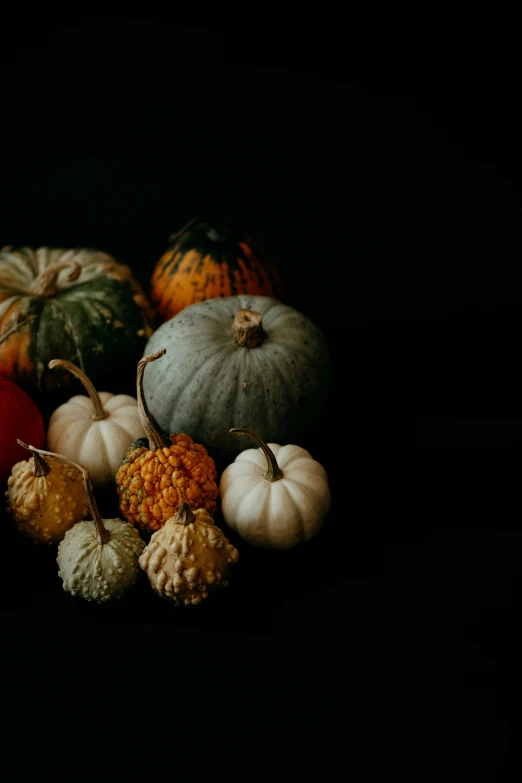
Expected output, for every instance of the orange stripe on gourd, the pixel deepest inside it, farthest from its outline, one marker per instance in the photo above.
(15, 349)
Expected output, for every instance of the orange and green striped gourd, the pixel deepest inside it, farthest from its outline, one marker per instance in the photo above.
(206, 262)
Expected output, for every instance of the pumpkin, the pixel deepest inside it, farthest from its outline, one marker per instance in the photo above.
(19, 417)
(205, 262)
(44, 497)
(274, 496)
(189, 558)
(80, 305)
(239, 360)
(155, 471)
(98, 558)
(94, 430)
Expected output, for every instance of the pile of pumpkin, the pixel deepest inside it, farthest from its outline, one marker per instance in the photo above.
(215, 354)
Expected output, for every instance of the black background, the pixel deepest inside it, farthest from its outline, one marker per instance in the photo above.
(379, 159)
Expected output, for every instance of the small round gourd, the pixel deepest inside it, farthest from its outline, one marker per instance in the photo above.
(94, 430)
(274, 496)
(189, 558)
(98, 558)
(44, 497)
(240, 359)
(158, 471)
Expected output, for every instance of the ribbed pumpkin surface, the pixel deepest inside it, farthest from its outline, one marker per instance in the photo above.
(208, 383)
(100, 320)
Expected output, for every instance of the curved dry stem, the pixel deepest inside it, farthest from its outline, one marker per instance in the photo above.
(99, 412)
(16, 327)
(45, 284)
(40, 466)
(154, 436)
(274, 472)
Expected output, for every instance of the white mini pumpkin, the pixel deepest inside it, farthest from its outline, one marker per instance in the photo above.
(95, 430)
(278, 506)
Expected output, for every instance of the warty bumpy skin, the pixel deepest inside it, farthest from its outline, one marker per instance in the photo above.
(185, 563)
(45, 507)
(95, 571)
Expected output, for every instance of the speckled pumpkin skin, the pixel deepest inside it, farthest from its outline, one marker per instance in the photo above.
(207, 383)
(185, 563)
(100, 572)
(203, 263)
(45, 507)
(100, 321)
(147, 481)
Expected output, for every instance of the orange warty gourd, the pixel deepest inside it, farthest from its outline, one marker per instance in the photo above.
(154, 467)
(205, 263)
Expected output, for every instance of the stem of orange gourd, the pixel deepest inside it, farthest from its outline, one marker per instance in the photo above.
(102, 534)
(99, 412)
(40, 466)
(45, 284)
(154, 436)
(274, 472)
(247, 328)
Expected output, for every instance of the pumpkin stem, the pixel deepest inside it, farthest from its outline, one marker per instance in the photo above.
(45, 284)
(16, 327)
(173, 237)
(247, 328)
(99, 412)
(274, 472)
(154, 436)
(40, 466)
(102, 534)
(184, 514)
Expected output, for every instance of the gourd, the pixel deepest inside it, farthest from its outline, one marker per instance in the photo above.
(77, 304)
(44, 497)
(98, 559)
(189, 558)
(205, 262)
(19, 417)
(156, 469)
(239, 359)
(94, 430)
(274, 496)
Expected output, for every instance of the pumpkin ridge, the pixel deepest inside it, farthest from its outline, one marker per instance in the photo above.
(293, 501)
(187, 390)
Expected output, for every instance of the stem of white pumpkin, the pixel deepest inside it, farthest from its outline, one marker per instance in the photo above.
(155, 438)
(45, 284)
(247, 328)
(99, 412)
(274, 472)
(40, 466)
(102, 534)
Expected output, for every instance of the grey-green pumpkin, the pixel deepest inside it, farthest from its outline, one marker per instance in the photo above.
(239, 361)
